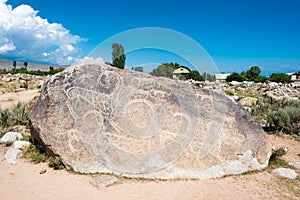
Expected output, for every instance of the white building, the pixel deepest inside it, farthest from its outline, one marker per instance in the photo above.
(221, 77)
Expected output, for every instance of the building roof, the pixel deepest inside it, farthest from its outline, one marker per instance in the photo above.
(182, 70)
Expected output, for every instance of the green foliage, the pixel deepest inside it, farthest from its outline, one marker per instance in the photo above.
(14, 64)
(234, 77)
(3, 71)
(56, 163)
(35, 154)
(285, 120)
(280, 77)
(16, 116)
(25, 65)
(195, 75)
(51, 71)
(8, 144)
(20, 113)
(276, 160)
(118, 56)
(253, 73)
(280, 116)
(165, 70)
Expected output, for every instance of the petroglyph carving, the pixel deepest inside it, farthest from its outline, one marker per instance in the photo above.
(103, 119)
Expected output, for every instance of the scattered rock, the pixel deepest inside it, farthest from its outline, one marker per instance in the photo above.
(43, 171)
(12, 155)
(295, 164)
(234, 83)
(103, 182)
(21, 144)
(293, 99)
(236, 98)
(11, 137)
(273, 84)
(286, 173)
(99, 118)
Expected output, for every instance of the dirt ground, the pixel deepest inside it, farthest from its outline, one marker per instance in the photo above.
(24, 181)
(8, 100)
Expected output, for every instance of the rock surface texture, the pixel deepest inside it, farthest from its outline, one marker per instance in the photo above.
(102, 119)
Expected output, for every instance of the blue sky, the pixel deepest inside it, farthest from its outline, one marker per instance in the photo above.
(235, 33)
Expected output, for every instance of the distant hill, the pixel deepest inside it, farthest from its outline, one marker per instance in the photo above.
(7, 64)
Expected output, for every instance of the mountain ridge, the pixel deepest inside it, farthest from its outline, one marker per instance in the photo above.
(8, 65)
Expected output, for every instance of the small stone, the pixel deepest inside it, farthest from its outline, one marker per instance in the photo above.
(43, 171)
(104, 182)
(11, 137)
(286, 173)
(12, 155)
(21, 144)
(295, 164)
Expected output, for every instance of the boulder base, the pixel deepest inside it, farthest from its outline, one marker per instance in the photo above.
(102, 119)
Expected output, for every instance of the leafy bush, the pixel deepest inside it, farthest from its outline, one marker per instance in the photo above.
(276, 160)
(280, 78)
(280, 116)
(195, 75)
(35, 154)
(16, 116)
(235, 77)
(165, 70)
(285, 120)
(56, 163)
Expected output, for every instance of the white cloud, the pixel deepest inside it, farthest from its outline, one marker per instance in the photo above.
(45, 54)
(70, 58)
(4, 48)
(25, 35)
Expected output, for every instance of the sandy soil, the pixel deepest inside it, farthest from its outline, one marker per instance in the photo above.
(23, 181)
(8, 100)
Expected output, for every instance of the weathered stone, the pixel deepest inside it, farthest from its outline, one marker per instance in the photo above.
(103, 182)
(104, 119)
(286, 173)
(295, 164)
(21, 144)
(12, 155)
(11, 137)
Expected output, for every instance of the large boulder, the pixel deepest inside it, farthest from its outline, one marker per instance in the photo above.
(103, 119)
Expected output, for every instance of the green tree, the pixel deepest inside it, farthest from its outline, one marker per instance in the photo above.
(280, 77)
(51, 70)
(253, 73)
(25, 66)
(165, 70)
(195, 75)
(14, 66)
(234, 77)
(118, 56)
